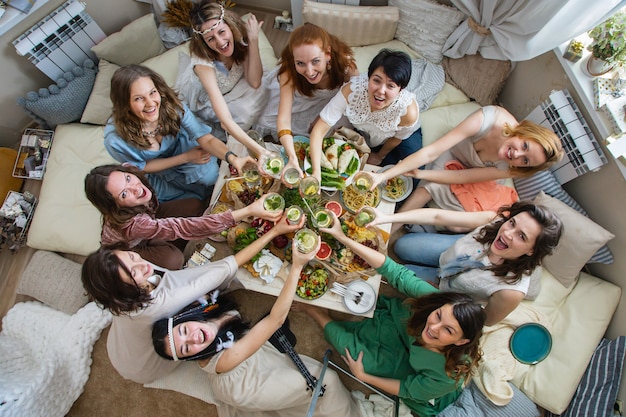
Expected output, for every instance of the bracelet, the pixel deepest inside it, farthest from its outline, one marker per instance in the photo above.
(284, 132)
(229, 153)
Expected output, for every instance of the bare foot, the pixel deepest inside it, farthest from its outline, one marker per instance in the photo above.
(320, 315)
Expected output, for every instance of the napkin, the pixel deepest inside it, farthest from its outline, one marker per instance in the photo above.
(267, 266)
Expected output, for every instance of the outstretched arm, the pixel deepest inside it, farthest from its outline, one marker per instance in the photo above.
(459, 176)
(264, 329)
(436, 217)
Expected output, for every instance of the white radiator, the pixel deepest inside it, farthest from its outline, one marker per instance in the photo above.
(61, 40)
(582, 151)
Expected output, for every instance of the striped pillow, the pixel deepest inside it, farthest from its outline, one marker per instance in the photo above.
(597, 391)
(355, 25)
(528, 188)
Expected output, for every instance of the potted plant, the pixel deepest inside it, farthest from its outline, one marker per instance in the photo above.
(608, 46)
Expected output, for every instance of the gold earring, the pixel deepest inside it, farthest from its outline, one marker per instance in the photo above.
(328, 66)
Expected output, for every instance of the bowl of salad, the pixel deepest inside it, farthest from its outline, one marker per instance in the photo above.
(313, 281)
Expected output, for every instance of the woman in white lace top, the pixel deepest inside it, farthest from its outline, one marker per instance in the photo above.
(379, 107)
(220, 81)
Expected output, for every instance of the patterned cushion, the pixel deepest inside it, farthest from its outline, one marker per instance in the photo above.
(528, 188)
(64, 101)
(425, 25)
(598, 387)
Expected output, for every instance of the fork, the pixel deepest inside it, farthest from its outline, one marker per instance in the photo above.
(358, 295)
(343, 293)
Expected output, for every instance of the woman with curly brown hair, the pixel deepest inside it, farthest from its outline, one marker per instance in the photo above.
(313, 66)
(154, 131)
(420, 349)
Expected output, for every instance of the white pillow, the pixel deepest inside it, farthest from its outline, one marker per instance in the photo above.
(438, 121)
(65, 221)
(136, 42)
(581, 238)
(363, 55)
(356, 26)
(425, 25)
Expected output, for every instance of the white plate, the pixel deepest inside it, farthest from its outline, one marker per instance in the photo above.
(307, 163)
(368, 300)
(408, 189)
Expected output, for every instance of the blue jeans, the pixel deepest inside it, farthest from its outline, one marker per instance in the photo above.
(405, 148)
(424, 248)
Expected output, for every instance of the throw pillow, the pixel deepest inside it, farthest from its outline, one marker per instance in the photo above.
(64, 101)
(598, 387)
(467, 74)
(55, 281)
(528, 188)
(99, 106)
(425, 25)
(580, 240)
(136, 42)
(356, 26)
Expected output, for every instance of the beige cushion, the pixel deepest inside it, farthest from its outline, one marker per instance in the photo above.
(465, 73)
(55, 281)
(581, 238)
(99, 106)
(65, 221)
(356, 26)
(363, 55)
(438, 121)
(136, 42)
(425, 25)
(449, 95)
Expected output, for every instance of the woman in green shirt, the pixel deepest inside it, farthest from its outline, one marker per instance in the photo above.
(420, 349)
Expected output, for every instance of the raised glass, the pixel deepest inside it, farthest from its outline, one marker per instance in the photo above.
(364, 216)
(306, 240)
(274, 202)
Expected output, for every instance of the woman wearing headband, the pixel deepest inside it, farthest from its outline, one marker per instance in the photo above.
(221, 84)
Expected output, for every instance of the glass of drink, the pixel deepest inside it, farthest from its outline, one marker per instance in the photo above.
(362, 182)
(294, 214)
(274, 202)
(291, 177)
(366, 215)
(309, 187)
(272, 165)
(306, 240)
(256, 136)
(322, 218)
(251, 175)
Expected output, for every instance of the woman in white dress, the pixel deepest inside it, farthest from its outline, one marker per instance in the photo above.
(313, 66)
(247, 375)
(221, 82)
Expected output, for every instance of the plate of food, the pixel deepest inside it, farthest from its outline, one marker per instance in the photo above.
(348, 261)
(353, 200)
(218, 208)
(396, 189)
(339, 160)
(313, 281)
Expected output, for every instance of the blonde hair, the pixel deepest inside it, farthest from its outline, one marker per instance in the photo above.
(547, 139)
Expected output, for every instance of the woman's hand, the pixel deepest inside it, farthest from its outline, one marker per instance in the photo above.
(293, 164)
(257, 209)
(198, 155)
(335, 230)
(377, 178)
(300, 259)
(253, 26)
(414, 173)
(356, 366)
(282, 226)
(239, 161)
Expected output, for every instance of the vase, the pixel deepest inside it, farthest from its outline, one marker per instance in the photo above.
(597, 66)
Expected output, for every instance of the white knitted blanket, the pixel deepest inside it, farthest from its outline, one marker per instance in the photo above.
(45, 357)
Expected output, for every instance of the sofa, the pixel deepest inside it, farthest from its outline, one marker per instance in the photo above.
(575, 306)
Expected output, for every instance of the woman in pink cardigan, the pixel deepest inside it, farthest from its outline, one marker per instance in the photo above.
(131, 214)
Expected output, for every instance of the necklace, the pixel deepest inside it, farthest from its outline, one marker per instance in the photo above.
(152, 133)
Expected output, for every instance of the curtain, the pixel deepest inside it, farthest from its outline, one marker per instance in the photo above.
(519, 30)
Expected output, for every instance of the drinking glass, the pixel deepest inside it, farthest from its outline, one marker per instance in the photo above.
(274, 202)
(291, 177)
(294, 214)
(306, 240)
(362, 182)
(366, 215)
(272, 164)
(251, 175)
(309, 187)
(322, 218)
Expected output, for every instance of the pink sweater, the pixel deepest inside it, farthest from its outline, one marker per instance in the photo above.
(144, 227)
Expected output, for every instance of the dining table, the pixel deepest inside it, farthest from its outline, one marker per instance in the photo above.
(329, 299)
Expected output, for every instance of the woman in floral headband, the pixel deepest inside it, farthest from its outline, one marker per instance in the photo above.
(221, 81)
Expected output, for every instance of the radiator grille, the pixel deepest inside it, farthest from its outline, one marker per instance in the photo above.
(61, 40)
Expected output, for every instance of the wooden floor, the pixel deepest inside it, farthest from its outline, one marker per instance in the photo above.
(12, 264)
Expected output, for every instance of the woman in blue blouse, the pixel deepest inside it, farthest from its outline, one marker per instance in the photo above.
(154, 131)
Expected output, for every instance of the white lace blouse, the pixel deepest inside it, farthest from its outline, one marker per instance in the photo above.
(378, 125)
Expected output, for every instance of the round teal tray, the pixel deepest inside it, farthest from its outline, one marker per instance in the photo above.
(530, 343)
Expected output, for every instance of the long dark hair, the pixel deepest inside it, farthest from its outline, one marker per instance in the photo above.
(460, 360)
(204, 11)
(203, 313)
(96, 190)
(127, 124)
(102, 280)
(512, 270)
(341, 57)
